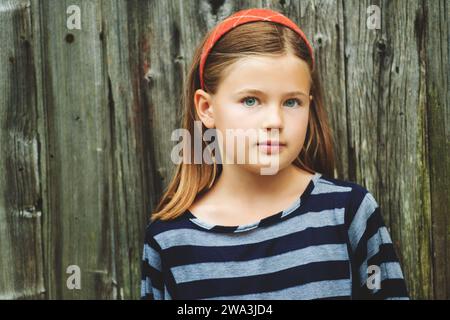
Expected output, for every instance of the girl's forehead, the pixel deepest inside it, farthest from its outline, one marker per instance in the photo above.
(268, 72)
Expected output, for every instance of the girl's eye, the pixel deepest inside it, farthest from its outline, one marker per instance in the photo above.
(292, 104)
(251, 99)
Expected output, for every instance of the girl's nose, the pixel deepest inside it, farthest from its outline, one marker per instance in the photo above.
(273, 117)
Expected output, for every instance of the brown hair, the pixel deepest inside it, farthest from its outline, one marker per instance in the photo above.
(255, 38)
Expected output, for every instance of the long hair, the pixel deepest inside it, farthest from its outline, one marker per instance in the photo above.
(261, 38)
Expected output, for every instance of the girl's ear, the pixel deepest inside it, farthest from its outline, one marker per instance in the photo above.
(204, 108)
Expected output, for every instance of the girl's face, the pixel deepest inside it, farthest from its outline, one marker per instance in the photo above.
(259, 99)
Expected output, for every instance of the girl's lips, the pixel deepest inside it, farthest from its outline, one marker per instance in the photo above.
(271, 143)
(270, 148)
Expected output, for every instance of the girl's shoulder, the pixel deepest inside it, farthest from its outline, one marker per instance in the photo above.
(360, 212)
(155, 228)
(352, 195)
(339, 185)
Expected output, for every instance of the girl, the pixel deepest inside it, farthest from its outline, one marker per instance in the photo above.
(225, 230)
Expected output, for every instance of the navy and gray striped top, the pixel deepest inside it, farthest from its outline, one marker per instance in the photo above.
(331, 243)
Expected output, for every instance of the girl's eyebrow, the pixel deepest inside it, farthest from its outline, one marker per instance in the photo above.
(256, 91)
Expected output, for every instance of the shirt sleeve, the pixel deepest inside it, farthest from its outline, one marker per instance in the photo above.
(376, 270)
(152, 282)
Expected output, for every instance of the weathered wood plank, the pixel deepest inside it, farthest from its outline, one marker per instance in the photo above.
(75, 139)
(127, 39)
(165, 75)
(21, 256)
(436, 39)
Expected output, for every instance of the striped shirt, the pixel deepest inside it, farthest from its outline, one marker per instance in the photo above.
(331, 243)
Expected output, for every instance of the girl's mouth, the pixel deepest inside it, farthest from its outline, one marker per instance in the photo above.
(270, 147)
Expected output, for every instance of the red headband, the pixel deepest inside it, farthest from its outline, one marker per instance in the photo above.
(245, 16)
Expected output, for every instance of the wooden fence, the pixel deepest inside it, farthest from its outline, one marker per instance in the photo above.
(86, 116)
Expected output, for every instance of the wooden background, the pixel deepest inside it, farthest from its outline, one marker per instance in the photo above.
(86, 117)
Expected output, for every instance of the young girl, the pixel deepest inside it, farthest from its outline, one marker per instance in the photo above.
(225, 230)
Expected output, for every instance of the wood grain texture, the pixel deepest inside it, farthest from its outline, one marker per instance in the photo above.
(86, 118)
(435, 30)
(21, 255)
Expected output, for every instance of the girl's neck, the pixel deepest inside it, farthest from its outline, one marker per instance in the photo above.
(237, 182)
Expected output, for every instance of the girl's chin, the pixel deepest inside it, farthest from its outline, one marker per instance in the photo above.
(264, 169)
(262, 157)
(267, 164)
